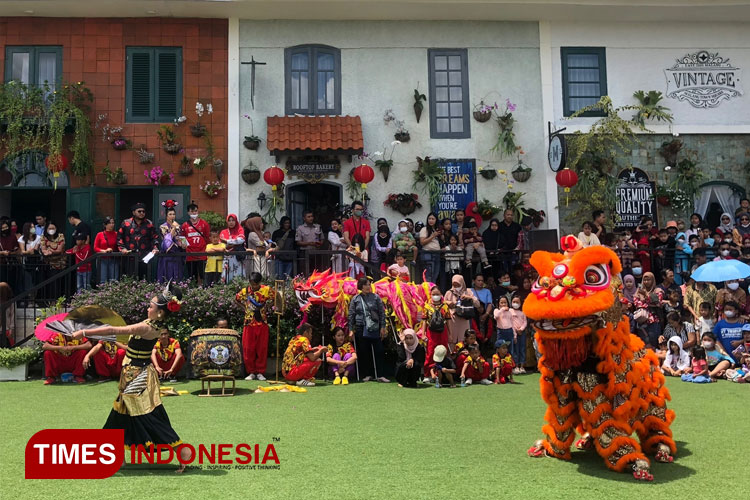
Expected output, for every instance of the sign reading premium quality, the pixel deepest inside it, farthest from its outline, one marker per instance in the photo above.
(703, 79)
(459, 187)
(313, 168)
(635, 198)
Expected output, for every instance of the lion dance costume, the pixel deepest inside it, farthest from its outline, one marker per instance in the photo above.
(596, 377)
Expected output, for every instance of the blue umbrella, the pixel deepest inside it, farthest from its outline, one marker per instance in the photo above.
(721, 270)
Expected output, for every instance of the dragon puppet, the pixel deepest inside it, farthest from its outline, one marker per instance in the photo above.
(596, 377)
(406, 303)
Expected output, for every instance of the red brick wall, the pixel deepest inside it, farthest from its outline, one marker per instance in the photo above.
(94, 52)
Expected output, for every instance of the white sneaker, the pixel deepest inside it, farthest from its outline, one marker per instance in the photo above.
(516, 371)
(250, 377)
(522, 370)
(367, 379)
(260, 377)
(383, 380)
(485, 381)
(468, 381)
(305, 383)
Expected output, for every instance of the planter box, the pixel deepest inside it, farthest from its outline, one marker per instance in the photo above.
(20, 372)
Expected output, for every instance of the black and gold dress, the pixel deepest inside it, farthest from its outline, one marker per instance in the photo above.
(138, 408)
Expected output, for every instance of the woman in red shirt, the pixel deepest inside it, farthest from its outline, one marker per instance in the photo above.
(106, 242)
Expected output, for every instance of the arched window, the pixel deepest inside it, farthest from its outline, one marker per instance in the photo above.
(312, 80)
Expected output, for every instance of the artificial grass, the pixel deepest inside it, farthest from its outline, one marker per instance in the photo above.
(378, 441)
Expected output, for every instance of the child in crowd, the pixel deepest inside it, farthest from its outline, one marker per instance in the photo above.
(437, 330)
(382, 246)
(357, 248)
(443, 367)
(214, 263)
(411, 357)
(475, 368)
(729, 329)
(518, 348)
(677, 362)
(706, 320)
(504, 320)
(505, 286)
(672, 304)
(301, 361)
(742, 355)
(167, 357)
(699, 371)
(107, 358)
(716, 357)
(398, 269)
(462, 348)
(341, 358)
(502, 363)
(454, 254)
(404, 241)
(82, 251)
(587, 237)
(222, 323)
(473, 242)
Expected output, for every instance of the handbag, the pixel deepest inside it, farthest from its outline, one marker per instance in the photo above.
(641, 315)
(437, 322)
(465, 309)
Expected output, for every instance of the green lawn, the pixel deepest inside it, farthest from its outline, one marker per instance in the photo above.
(378, 441)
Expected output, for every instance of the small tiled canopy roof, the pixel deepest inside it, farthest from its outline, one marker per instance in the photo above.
(314, 135)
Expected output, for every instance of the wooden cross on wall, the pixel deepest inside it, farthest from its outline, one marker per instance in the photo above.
(252, 63)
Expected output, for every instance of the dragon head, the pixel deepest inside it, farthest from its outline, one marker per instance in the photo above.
(576, 291)
(320, 288)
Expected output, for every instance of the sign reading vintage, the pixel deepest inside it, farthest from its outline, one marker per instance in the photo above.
(635, 197)
(703, 79)
(313, 168)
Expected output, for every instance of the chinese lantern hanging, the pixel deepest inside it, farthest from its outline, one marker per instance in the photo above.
(566, 178)
(273, 177)
(56, 164)
(364, 174)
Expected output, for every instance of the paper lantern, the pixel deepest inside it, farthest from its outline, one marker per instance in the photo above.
(364, 174)
(273, 177)
(566, 178)
(56, 164)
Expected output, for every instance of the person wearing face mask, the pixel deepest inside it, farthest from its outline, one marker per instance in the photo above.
(648, 298)
(742, 229)
(485, 297)
(138, 235)
(717, 359)
(357, 224)
(463, 305)
(731, 292)
(636, 270)
(729, 329)
(437, 314)
(196, 230)
(404, 242)
(724, 250)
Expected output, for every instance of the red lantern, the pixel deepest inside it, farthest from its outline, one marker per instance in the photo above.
(566, 178)
(273, 177)
(56, 164)
(364, 174)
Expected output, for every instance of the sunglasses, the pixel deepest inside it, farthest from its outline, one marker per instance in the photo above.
(725, 218)
(141, 210)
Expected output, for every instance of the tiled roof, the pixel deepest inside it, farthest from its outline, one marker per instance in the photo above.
(315, 133)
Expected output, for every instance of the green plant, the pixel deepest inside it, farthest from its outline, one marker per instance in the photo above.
(669, 151)
(506, 138)
(10, 358)
(114, 176)
(353, 188)
(215, 220)
(418, 104)
(166, 134)
(513, 200)
(430, 175)
(45, 312)
(487, 209)
(649, 107)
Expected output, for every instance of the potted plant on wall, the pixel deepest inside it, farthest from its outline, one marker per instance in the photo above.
(430, 176)
(418, 103)
(252, 141)
(186, 166)
(506, 138)
(669, 151)
(115, 176)
(649, 108)
(403, 203)
(157, 176)
(401, 135)
(212, 188)
(199, 130)
(483, 112)
(144, 157)
(521, 173)
(250, 174)
(168, 139)
(487, 172)
(14, 362)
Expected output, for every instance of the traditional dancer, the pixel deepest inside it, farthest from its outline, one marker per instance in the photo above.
(138, 409)
(255, 333)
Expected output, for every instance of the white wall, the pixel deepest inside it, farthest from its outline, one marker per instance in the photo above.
(637, 55)
(382, 62)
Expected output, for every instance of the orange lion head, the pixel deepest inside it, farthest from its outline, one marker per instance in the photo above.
(575, 291)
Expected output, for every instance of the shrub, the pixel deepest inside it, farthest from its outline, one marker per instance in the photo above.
(10, 358)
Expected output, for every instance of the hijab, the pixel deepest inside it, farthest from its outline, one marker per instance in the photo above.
(682, 360)
(629, 294)
(642, 292)
(407, 348)
(457, 278)
(255, 225)
(726, 228)
(383, 240)
(743, 230)
(234, 232)
(492, 238)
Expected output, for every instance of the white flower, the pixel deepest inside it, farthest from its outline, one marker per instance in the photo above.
(197, 161)
(199, 109)
(395, 143)
(181, 119)
(209, 108)
(667, 168)
(377, 153)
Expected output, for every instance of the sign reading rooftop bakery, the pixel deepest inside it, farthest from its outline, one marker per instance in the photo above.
(635, 198)
(313, 168)
(703, 79)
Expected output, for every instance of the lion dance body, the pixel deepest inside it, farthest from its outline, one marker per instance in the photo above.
(596, 377)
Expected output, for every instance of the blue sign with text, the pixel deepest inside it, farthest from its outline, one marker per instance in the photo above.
(459, 187)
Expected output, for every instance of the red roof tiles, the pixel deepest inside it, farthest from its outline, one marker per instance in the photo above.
(315, 133)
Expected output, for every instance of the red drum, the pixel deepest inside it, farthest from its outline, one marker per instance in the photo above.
(216, 351)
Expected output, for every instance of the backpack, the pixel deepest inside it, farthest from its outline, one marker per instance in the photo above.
(437, 322)
(465, 309)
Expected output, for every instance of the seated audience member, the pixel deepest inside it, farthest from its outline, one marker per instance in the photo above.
(683, 329)
(398, 269)
(706, 321)
(698, 372)
(411, 357)
(717, 359)
(341, 358)
(677, 362)
(462, 348)
(475, 368)
(107, 358)
(301, 361)
(742, 355)
(167, 357)
(729, 329)
(64, 355)
(473, 243)
(502, 363)
(444, 367)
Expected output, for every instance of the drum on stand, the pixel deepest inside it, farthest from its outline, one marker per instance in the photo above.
(216, 351)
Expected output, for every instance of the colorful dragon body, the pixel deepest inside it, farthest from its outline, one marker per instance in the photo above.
(596, 377)
(406, 303)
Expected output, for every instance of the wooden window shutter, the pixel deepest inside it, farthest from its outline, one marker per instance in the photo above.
(168, 84)
(140, 69)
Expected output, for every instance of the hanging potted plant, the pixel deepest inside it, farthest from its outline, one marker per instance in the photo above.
(487, 209)
(250, 174)
(506, 138)
(157, 176)
(186, 166)
(430, 175)
(144, 157)
(218, 167)
(401, 135)
(212, 188)
(418, 104)
(199, 130)
(115, 176)
(521, 173)
(252, 141)
(403, 203)
(649, 108)
(669, 151)
(483, 112)
(487, 172)
(120, 144)
(168, 138)
(384, 161)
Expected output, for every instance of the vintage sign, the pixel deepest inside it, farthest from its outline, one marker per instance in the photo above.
(703, 79)
(459, 187)
(635, 198)
(556, 154)
(313, 168)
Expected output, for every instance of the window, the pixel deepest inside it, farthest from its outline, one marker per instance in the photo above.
(449, 93)
(584, 78)
(153, 84)
(313, 80)
(34, 65)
